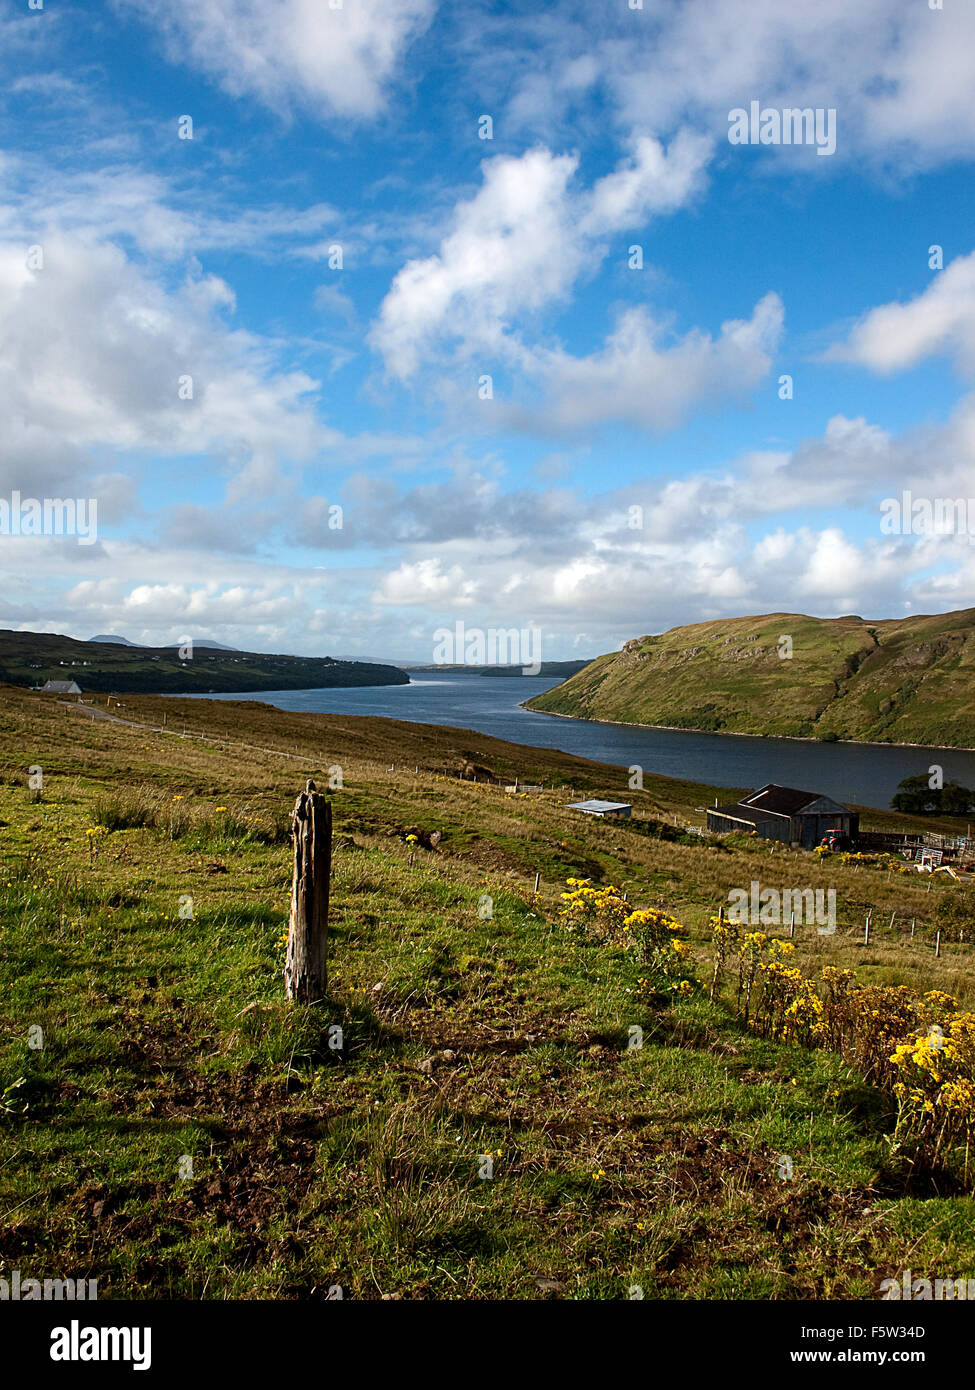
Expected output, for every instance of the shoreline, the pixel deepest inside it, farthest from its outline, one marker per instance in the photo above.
(737, 733)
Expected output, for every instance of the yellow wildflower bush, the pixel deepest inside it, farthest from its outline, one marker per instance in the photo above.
(751, 948)
(880, 860)
(789, 1008)
(602, 916)
(918, 1046)
(657, 936)
(865, 1022)
(935, 1088)
(593, 915)
(725, 936)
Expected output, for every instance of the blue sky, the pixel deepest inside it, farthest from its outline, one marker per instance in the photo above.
(317, 386)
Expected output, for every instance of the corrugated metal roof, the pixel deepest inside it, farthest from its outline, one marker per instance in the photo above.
(783, 801)
(739, 811)
(596, 806)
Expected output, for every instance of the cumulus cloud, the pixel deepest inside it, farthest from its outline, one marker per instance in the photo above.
(938, 321)
(637, 377)
(512, 247)
(95, 352)
(709, 545)
(619, 585)
(425, 582)
(896, 71)
(520, 244)
(652, 180)
(293, 53)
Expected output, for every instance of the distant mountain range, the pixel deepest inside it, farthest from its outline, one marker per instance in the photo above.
(902, 680)
(170, 646)
(221, 647)
(102, 664)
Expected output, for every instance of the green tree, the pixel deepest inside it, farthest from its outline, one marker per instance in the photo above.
(956, 800)
(918, 797)
(915, 796)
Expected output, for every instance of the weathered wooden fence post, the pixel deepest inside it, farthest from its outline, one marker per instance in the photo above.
(306, 966)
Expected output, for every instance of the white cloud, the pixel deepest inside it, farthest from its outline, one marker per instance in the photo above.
(639, 378)
(938, 321)
(426, 582)
(293, 53)
(93, 350)
(512, 248)
(162, 218)
(520, 244)
(896, 71)
(834, 566)
(654, 180)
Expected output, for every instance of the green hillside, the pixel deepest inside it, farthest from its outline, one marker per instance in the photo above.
(31, 658)
(182, 1132)
(909, 680)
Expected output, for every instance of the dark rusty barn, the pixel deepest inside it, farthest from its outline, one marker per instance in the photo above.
(784, 813)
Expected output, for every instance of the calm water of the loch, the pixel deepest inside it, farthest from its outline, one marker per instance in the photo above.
(864, 773)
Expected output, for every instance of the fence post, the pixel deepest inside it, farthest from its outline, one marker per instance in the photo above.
(306, 966)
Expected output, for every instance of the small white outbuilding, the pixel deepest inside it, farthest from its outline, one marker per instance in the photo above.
(620, 809)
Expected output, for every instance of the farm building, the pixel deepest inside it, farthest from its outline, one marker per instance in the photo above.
(61, 688)
(621, 809)
(784, 813)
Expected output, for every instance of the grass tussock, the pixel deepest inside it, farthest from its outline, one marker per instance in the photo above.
(176, 817)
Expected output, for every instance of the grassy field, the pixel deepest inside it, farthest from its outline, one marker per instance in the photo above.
(182, 1132)
(905, 680)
